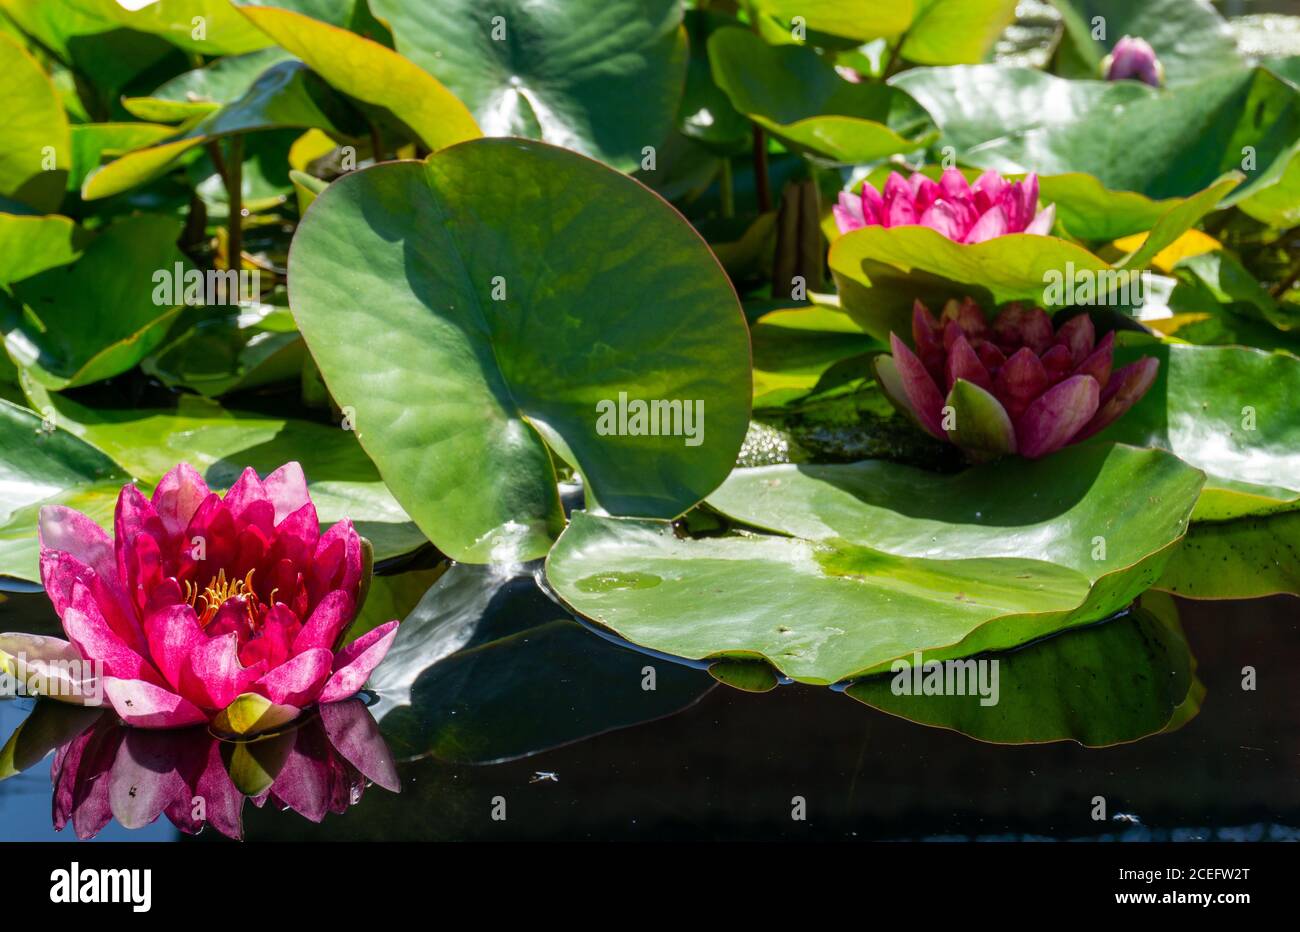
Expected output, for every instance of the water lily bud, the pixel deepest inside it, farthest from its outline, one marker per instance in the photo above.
(1017, 386)
(1133, 59)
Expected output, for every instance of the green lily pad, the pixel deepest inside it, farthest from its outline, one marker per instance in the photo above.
(31, 244)
(1278, 204)
(1227, 410)
(851, 19)
(601, 77)
(287, 94)
(795, 347)
(96, 318)
(882, 560)
(220, 443)
(750, 676)
(1098, 686)
(44, 467)
(487, 333)
(956, 32)
(466, 661)
(367, 71)
(706, 114)
(1247, 558)
(203, 90)
(93, 142)
(220, 30)
(794, 93)
(1190, 39)
(35, 149)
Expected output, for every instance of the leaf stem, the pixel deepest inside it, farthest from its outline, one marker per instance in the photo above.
(235, 198)
(726, 184)
(761, 183)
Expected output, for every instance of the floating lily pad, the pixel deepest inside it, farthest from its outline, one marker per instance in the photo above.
(1246, 558)
(96, 318)
(30, 244)
(795, 347)
(486, 642)
(42, 467)
(881, 560)
(851, 19)
(48, 726)
(371, 73)
(1099, 685)
(35, 148)
(1227, 410)
(602, 77)
(463, 333)
(956, 32)
(797, 95)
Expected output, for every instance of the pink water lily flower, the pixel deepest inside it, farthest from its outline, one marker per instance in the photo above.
(1015, 385)
(965, 213)
(209, 609)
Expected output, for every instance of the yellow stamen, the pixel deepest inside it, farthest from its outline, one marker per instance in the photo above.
(218, 591)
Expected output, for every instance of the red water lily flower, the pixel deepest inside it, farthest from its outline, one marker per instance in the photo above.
(1013, 386)
(210, 609)
(962, 212)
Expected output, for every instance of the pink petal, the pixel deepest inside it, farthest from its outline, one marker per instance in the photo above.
(1043, 223)
(64, 530)
(287, 489)
(85, 626)
(1056, 416)
(963, 363)
(988, 190)
(213, 677)
(298, 681)
(174, 633)
(991, 225)
(955, 186)
(336, 563)
(873, 205)
(945, 218)
(1020, 381)
(900, 203)
(177, 496)
(922, 393)
(1125, 389)
(332, 614)
(925, 191)
(247, 490)
(145, 705)
(274, 644)
(1057, 363)
(1079, 336)
(144, 779)
(352, 664)
(353, 732)
(848, 212)
(1099, 362)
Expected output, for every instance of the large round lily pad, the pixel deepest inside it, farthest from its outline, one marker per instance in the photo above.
(465, 321)
(879, 560)
(602, 77)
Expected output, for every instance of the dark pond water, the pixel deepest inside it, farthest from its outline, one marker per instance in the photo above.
(698, 761)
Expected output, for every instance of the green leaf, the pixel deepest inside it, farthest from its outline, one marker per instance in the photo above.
(227, 352)
(484, 332)
(852, 19)
(880, 272)
(220, 443)
(1190, 39)
(1247, 558)
(285, 95)
(35, 149)
(795, 347)
(794, 93)
(371, 73)
(602, 77)
(706, 113)
(47, 727)
(31, 244)
(750, 676)
(43, 467)
(220, 30)
(883, 560)
(1227, 410)
(251, 714)
(93, 142)
(96, 318)
(203, 90)
(981, 426)
(1098, 686)
(1278, 204)
(956, 32)
(486, 642)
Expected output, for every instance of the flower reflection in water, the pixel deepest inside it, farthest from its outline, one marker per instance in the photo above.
(320, 764)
